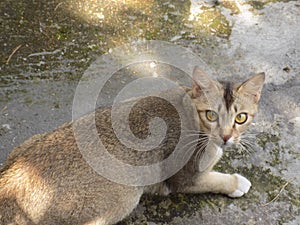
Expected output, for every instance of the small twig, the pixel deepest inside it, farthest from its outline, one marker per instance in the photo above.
(4, 108)
(13, 52)
(59, 4)
(277, 196)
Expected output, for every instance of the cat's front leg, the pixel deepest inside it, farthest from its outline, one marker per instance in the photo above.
(233, 185)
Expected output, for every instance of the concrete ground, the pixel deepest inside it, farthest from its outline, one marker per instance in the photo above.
(46, 47)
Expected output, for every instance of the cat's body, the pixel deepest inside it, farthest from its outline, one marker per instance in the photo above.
(46, 180)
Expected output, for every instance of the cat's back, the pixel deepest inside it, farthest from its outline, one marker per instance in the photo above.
(45, 150)
(46, 180)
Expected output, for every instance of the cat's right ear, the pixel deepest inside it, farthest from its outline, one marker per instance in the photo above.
(202, 82)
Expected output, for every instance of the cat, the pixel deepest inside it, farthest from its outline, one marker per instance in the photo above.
(46, 180)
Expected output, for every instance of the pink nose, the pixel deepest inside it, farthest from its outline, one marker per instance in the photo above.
(226, 138)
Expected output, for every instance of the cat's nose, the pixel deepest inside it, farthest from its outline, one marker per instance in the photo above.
(226, 138)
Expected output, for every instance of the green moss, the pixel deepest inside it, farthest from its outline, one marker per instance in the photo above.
(258, 5)
(28, 100)
(276, 150)
(178, 205)
(63, 33)
(159, 208)
(2, 131)
(81, 36)
(213, 22)
(264, 138)
(276, 153)
(266, 189)
(229, 4)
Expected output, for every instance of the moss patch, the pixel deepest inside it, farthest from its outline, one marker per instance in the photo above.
(162, 210)
(59, 39)
(261, 4)
(267, 189)
(213, 22)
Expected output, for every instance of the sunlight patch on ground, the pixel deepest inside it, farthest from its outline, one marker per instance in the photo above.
(246, 15)
(237, 6)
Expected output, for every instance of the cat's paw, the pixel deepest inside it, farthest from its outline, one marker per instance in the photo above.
(243, 186)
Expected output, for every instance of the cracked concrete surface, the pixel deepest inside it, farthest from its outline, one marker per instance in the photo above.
(36, 93)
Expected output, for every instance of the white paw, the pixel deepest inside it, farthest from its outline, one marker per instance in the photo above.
(242, 188)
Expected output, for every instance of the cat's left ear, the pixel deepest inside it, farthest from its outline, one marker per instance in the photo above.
(253, 86)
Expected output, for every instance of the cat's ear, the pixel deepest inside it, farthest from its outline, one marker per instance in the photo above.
(253, 86)
(202, 82)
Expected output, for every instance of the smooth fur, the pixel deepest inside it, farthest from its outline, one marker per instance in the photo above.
(46, 180)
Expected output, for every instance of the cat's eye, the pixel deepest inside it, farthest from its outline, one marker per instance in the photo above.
(241, 118)
(212, 116)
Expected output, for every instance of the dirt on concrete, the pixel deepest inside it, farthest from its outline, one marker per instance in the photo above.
(47, 45)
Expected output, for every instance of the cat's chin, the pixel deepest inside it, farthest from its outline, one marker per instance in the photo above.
(227, 145)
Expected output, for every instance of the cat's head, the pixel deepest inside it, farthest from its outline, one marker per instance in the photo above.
(225, 109)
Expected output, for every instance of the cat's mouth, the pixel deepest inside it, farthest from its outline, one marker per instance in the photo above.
(225, 142)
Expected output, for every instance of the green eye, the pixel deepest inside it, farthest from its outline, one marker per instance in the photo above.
(241, 118)
(212, 116)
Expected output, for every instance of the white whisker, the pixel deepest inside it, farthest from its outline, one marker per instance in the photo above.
(199, 153)
(191, 142)
(193, 147)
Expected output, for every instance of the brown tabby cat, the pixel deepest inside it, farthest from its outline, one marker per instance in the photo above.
(46, 180)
